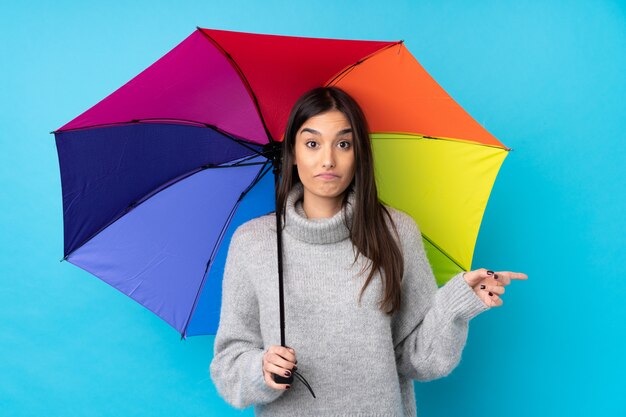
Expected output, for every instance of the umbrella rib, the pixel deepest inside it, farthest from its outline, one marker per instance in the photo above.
(168, 184)
(229, 135)
(432, 242)
(417, 136)
(240, 163)
(134, 121)
(218, 243)
(257, 179)
(341, 74)
(244, 80)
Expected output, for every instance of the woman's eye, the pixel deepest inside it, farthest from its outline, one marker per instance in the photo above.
(344, 144)
(311, 144)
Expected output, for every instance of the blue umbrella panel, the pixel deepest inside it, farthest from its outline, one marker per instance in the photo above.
(149, 208)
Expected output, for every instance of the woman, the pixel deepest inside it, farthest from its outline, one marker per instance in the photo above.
(364, 316)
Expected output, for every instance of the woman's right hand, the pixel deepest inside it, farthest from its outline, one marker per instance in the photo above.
(489, 285)
(281, 361)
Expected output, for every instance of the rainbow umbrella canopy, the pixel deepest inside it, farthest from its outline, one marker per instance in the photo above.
(157, 176)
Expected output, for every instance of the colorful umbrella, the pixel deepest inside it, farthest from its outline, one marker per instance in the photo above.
(157, 176)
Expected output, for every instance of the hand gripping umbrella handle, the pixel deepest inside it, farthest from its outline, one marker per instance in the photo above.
(288, 380)
(282, 379)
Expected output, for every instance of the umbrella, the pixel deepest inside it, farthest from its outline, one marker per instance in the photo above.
(156, 176)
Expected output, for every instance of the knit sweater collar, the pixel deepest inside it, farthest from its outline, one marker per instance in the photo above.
(317, 231)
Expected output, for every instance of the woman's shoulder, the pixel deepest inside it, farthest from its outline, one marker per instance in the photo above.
(256, 228)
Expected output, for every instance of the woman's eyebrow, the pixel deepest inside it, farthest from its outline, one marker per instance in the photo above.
(344, 131)
(315, 132)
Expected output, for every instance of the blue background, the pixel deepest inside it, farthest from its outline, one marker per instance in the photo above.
(546, 78)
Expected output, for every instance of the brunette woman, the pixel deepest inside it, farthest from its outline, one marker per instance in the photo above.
(363, 311)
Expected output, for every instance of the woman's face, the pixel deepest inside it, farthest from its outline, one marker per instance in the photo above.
(324, 157)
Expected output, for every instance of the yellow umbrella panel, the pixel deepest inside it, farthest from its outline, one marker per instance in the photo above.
(444, 185)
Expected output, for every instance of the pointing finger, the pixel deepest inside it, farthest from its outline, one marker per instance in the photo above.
(506, 276)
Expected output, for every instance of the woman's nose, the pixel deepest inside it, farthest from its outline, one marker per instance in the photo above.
(328, 157)
(329, 160)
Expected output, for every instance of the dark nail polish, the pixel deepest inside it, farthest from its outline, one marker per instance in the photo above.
(295, 367)
(495, 276)
(287, 373)
(482, 287)
(288, 386)
(490, 273)
(490, 294)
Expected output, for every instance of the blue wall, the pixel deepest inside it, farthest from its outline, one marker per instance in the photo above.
(546, 79)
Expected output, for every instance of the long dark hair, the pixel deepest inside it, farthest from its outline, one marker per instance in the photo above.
(369, 231)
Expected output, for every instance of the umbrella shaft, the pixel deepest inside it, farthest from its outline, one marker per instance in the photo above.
(280, 279)
(279, 244)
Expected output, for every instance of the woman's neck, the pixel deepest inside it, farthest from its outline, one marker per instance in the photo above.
(317, 207)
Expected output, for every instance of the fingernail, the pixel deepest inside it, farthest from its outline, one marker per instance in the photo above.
(490, 294)
(295, 367)
(482, 287)
(287, 373)
(288, 386)
(490, 273)
(495, 276)
(291, 350)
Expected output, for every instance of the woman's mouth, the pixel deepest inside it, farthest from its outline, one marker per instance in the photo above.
(327, 176)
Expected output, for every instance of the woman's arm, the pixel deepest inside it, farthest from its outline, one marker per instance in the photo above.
(430, 330)
(237, 363)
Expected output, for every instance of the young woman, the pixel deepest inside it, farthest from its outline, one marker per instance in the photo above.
(364, 316)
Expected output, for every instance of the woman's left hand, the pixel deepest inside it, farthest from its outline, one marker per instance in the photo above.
(489, 285)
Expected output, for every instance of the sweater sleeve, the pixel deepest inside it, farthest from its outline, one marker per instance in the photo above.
(237, 365)
(431, 327)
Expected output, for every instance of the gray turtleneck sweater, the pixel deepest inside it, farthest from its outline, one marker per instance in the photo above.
(358, 360)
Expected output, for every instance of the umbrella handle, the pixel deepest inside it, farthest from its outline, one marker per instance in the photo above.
(279, 379)
(282, 380)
